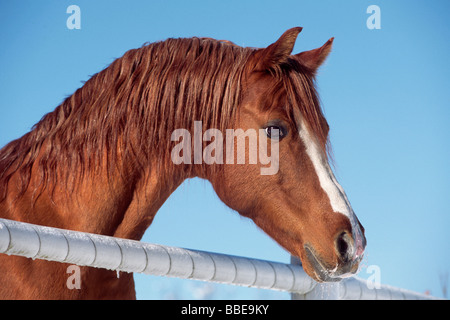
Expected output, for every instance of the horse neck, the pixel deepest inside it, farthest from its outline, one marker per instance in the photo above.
(149, 193)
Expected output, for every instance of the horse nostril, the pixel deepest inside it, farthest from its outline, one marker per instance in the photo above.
(344, 247)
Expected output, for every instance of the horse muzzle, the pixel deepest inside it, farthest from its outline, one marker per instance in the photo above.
(349, 251)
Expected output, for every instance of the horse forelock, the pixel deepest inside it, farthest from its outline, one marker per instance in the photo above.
(297, 84)
(303, 96)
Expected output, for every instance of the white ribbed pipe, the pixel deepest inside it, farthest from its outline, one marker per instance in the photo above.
(355, 288)
(358, 289)
(85, 249)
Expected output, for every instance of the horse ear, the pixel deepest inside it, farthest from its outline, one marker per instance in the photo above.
(312, 59)
(278, 52)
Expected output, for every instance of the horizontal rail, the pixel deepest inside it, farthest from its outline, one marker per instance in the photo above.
(86, 249)
(355, 288)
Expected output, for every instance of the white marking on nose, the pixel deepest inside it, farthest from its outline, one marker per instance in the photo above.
(338, 199)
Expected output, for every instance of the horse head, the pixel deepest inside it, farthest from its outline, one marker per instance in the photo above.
(300, 205)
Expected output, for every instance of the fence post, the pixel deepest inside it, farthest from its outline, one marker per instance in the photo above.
(294, 295)
(320, 291)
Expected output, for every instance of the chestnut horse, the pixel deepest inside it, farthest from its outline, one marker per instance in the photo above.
(100, 162)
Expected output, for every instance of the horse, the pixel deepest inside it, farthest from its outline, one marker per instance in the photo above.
(102, 161)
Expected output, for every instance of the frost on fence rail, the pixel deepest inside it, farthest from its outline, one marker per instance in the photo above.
(85, 249)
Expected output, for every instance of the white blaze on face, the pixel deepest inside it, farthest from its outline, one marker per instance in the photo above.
(338, 199)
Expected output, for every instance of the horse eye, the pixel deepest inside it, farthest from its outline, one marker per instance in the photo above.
(275, 132)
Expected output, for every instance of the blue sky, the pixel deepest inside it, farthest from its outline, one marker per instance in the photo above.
(385, 94)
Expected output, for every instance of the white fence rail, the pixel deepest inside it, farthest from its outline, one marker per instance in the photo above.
(84, 249)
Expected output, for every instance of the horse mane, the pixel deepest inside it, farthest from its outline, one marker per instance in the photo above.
(125, 114)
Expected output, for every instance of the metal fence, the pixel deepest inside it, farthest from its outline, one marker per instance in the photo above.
(85, 249)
